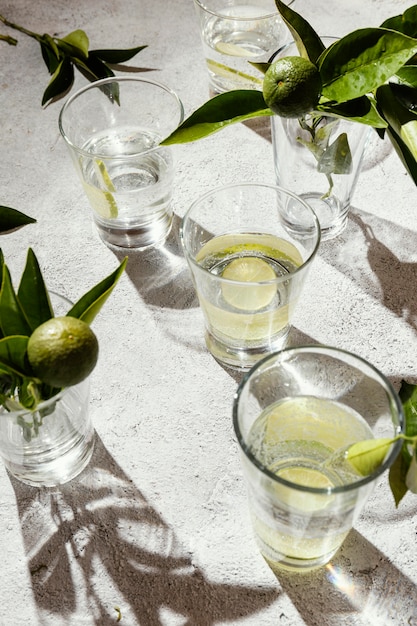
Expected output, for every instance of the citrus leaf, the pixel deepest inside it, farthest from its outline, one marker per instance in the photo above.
(89, 305)
(13, 355)
(50, 53)
(405, 23)
(309, 44)
(408, 397)
(33, 294)
(411, 477)
(12, 218)
(75, 44)
(366, 456)
(397, 478)
(12, 317)
(222, 110)
(362, 110)
(62, 79)
(362, 61)
(408, 75)
(116, 56)
(93, 69)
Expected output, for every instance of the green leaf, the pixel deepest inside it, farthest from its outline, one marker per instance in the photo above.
(11, 219)
(75, 44)
(33, 294)
(408, 397)
(222, 110)
(405, 23)
(50, 53)
(309, 44)
(411, 477)
(90, 304)
(116, 56)
(12, 317)
(61, 81)
(397, 477)
(93, 69)
(404, 153)
(13, 355)
(362, 61)
(366, 456)
(337, 158)
(408, 75)
(362, 110)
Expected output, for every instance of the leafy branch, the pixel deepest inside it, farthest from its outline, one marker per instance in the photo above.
(368, 76)
(62, 55)
(21, 312)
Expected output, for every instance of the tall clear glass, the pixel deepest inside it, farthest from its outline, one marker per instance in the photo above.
(113, 128)
(295, 414)
(249, 247)
(319, 158)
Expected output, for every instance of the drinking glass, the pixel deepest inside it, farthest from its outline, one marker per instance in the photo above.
(249, 247)
(295, 415)
(113, 128)
(234, 32)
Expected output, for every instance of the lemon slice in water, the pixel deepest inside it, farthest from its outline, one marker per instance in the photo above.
(248, 270)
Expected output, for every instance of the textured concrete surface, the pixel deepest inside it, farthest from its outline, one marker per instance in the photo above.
(156, 531)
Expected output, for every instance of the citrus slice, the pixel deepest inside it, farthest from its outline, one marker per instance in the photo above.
(233, 50)
(102, 199)
(228, 72)
(305, 477)
(248, 270)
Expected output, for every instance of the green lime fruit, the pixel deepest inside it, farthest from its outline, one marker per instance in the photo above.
(292, 86)
(62, 351)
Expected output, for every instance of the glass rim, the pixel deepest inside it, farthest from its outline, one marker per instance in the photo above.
(201, 5)
(273, 281)
(97, 85)
(323, 349)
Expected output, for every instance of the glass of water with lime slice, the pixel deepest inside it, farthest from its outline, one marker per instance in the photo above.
(234, 32)
(249, 247)
(113, 128)
(296, 413)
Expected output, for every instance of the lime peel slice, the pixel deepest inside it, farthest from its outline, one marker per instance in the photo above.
(109, 210)
(233, 50)
(229, 72)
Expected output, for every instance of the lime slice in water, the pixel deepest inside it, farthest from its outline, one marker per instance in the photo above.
(248, 270)
(233, 50)
(229, 72)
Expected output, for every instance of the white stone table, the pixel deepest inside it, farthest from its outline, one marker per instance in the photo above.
(156, 530)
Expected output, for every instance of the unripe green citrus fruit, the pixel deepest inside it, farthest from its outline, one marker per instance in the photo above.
(292, 86)
(62, 351)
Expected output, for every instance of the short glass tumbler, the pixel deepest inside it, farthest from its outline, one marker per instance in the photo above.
(295, 414)
(249, 247)
(320, 158)
(113, 128)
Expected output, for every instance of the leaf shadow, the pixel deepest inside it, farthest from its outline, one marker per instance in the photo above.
(364, 252)
(99, 541)
(359, 586)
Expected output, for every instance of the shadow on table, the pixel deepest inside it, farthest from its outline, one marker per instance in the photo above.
(364, 252)
(96, 546)
(360, 586)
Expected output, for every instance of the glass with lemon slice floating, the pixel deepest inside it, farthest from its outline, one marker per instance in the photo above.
(113, 128)
(249, 247)
(295, 415)
(234, 32)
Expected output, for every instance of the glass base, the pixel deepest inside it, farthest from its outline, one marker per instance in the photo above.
(54, 467)
(332, 217)
(135, 237)
(243, 358)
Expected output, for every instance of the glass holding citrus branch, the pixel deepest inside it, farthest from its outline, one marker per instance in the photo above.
(348, 81)
(248, 269)
(296, 414)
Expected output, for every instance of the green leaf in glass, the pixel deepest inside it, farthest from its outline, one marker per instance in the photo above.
(33, 293)
(13, 320)
(308, 42)
(13, 355)
(366, 456)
